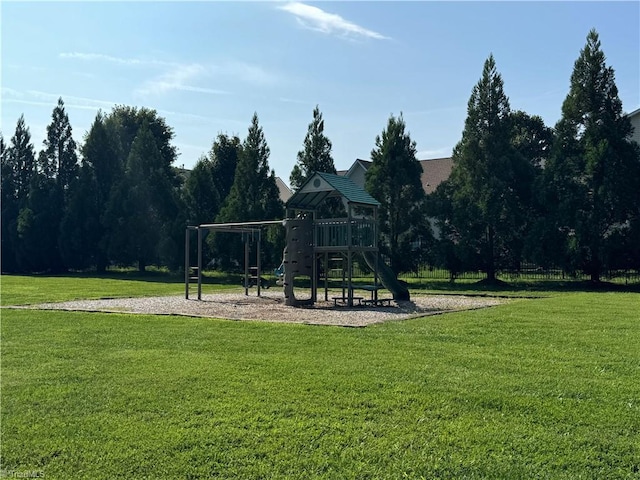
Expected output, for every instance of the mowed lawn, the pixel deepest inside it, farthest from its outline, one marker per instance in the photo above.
(537, 388)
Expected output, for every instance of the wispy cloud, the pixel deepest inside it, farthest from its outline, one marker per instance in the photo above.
(46, 99)
(178, 78)
(119, 60)
(317, 19)
(186, 77)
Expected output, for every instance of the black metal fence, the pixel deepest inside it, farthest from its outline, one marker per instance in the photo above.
(525, 272)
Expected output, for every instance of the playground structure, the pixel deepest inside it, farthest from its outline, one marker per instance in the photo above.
(313, 244)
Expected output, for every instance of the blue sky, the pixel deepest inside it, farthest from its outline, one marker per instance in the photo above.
(207, 66)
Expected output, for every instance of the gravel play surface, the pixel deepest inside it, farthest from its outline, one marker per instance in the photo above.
(270, 307)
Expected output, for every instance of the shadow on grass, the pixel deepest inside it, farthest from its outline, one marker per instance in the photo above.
(523, 286)
(414, 284)
(153, 276)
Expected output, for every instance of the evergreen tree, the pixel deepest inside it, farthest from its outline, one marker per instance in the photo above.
(126, 122)
(21, 159)
(9, 213)
(489, 181)
(316, 157)
(254, 195)
(139, 211)
(533, 140)
(81, 228)
(224, 156)
(39, 228)
(394, 180)
(18, 170)
(59, 158)
(144, 140)
(316, 154)
(201, 194)
(85, 228)
(39, 224)
(593, 177)
(84, 232)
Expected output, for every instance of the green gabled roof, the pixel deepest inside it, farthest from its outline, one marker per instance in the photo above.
(321, 186)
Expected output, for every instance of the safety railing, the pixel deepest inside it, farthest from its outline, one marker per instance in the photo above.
(335, 233)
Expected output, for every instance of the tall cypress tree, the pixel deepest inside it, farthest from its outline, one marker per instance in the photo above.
(594, 174)
(394, 180)
(18, 172)
(22, 160)
(315, 155)
(254, 195)
(486, 182)
(59, 158)
(40, 226)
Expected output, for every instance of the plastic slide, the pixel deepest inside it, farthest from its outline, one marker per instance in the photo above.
(387, 277)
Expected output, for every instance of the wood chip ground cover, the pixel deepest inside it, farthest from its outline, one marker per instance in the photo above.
(270, 307)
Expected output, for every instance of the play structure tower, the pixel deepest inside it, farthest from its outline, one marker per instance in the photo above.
(313, 241)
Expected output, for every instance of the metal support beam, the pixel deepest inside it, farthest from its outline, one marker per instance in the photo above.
(258, 263)
(246, 263)
(187, 266)
(199, 264)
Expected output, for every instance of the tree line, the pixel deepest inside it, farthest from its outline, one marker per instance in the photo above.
(567, 196)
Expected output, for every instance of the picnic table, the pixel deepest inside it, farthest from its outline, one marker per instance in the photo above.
(374, 300)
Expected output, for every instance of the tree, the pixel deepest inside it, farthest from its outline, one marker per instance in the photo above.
(18, 170)
(142, 205)
(490, 180)
(316, 154)
(201, 194)
(533, 140)
(394, 180)
(149, 186)
(316, 157)
(21, 160)
(39, 224)
(59, 159)
(9, 212)
(593, 176)
(224, 156)
(254, 195)
(85, 229)
(40, 221)
(81, 229)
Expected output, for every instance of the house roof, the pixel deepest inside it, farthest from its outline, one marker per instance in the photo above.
(434, 171)
(321, 186)
(634, 113)
(359, 163)
(284, 191)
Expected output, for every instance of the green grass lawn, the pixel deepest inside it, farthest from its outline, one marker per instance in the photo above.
(537, 388)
